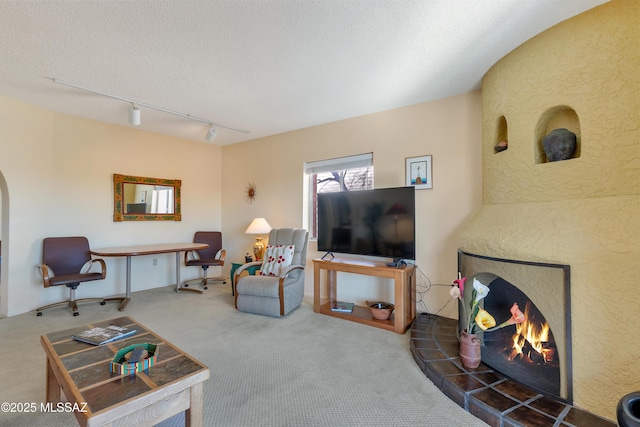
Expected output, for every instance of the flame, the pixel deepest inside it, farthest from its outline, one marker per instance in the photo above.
(529, 336)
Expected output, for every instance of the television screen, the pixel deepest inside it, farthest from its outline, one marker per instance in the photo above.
(378, 222)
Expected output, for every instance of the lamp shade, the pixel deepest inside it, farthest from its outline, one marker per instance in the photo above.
(258, 226)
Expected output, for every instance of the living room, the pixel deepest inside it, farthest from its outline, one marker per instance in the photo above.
(56, 179)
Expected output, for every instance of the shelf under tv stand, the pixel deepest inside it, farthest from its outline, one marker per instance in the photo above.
(403, 284)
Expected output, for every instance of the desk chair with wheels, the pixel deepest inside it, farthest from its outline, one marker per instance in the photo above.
(214, 256)
(67, 261)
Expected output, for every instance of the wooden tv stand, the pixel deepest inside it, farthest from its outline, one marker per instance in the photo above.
(404, 291)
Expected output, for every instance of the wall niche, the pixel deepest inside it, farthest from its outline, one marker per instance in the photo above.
(502, 137)
(560, 117)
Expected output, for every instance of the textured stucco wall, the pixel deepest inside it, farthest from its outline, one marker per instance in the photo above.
(583, 211)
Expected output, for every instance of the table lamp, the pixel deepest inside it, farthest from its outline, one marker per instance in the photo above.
(258, 226)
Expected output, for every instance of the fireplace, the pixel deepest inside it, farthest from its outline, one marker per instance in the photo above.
(536, 352)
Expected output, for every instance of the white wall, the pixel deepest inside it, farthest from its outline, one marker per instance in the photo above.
(59, 171)
(58, 178)
(449, 129)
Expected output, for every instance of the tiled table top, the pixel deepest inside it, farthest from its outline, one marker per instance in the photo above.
(82, 371)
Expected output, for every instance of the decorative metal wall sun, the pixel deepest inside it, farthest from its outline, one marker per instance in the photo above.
(250, 192)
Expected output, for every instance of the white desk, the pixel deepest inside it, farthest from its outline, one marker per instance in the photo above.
(159, 248)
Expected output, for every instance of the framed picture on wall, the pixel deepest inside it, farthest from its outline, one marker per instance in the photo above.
(418, 172)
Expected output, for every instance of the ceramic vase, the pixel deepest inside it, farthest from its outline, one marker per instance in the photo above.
(469, 350)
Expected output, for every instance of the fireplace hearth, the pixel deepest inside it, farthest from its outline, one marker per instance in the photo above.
(484, 392)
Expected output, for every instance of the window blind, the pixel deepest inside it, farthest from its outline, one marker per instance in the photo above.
(340, 163)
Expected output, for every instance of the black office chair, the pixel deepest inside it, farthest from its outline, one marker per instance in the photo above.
(67, 261)
(214, 255)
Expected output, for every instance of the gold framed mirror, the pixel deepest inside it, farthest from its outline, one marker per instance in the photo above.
(139, 198)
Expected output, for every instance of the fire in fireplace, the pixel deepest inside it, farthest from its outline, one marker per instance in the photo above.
(536, 352)
(532, 341)
(527, 351)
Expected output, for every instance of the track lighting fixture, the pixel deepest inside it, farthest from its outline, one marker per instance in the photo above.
(134, 111)
(134, 115)
(211, 134)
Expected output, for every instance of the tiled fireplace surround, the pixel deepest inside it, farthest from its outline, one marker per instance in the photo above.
(487, 394)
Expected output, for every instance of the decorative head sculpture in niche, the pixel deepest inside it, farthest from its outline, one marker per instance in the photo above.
(559, 144)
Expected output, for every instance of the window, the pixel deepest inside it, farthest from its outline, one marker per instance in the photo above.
(162, 200)
(351, 173)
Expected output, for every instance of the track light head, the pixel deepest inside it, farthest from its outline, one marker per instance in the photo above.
(134, 112)
(211, 134)
(134, 115)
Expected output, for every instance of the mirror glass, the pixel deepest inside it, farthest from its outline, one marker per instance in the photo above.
(139, 198)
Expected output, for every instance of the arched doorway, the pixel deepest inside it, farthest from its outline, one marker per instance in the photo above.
(4, 240)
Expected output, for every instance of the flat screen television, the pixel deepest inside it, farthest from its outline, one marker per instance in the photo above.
(378, 222)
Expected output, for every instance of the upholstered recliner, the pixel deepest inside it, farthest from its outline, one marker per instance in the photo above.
(279, 294)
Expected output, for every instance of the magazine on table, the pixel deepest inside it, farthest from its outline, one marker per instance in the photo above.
(342, 307)
(99, 336)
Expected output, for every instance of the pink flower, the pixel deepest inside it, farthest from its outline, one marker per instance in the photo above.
(460, 283)
(457, 291)
(516, 315)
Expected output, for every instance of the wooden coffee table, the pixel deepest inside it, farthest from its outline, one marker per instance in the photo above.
(78, 373)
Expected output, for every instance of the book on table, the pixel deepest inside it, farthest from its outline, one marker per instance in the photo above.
(342, 307)
(99, 336)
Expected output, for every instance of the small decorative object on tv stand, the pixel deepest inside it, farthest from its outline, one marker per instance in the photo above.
(380, 310)
(342, 307)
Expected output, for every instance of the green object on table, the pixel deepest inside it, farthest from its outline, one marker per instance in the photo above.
(234, 266)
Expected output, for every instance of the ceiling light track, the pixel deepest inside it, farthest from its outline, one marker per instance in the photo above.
(134, 111)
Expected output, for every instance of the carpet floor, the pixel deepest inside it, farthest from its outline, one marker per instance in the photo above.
(305, 369)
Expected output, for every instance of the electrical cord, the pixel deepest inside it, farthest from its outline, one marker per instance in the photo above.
(423, 287)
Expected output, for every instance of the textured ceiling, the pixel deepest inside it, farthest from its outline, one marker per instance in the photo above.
(267, 66)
